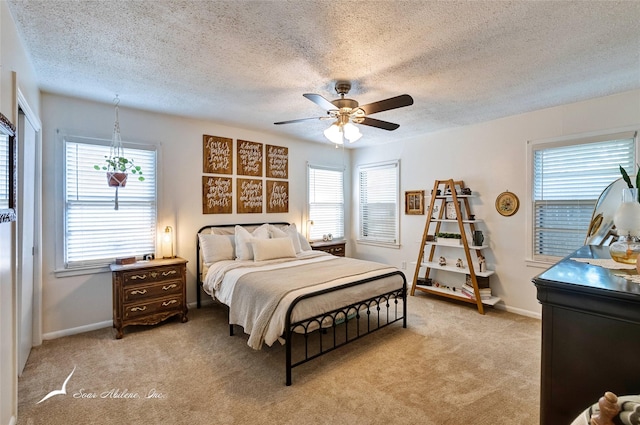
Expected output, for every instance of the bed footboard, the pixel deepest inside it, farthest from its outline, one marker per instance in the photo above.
(328, 331)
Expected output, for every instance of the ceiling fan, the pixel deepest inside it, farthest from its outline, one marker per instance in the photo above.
(347, 112)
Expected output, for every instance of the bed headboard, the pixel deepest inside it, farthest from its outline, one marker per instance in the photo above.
(220, 229)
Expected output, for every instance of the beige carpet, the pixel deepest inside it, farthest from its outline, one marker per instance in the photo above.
(450, 366)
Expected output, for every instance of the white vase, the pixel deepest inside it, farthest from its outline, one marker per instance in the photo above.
(627, 216)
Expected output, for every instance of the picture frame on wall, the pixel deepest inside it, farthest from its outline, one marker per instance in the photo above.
(414, 202)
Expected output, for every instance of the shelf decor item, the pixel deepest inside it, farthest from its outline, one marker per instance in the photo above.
(507, 203)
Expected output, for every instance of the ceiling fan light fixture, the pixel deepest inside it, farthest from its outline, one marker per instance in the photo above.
(351, 132)
(334, 134)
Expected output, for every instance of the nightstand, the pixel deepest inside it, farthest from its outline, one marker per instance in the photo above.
(148, 292)
(332, 247)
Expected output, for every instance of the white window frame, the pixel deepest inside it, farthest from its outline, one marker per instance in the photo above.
(316, 231)
(63, 269)
(565, 141)
(394, 240)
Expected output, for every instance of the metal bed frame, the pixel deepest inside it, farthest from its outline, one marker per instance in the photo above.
(333, 329)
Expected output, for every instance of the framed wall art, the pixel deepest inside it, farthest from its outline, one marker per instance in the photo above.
(277, 196)
(249, 196)
(8, 171)
(217, 195)
(414, 202)
(507, 203)
(250, 158)
(217, 155)
(277, 162)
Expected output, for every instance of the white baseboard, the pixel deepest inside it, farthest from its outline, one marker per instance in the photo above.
(100, 325)
(13, 420)
(519, 311)
(78, 330)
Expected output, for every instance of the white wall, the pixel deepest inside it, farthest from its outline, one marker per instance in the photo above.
(79, 302)
(14, 67)
(490, 157)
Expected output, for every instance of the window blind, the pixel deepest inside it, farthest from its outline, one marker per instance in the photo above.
(567, 183)
(378, 202)
(96, 233)
(326, 201)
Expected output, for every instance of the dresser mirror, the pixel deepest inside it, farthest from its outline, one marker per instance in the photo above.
(601, 228)
(8, 172)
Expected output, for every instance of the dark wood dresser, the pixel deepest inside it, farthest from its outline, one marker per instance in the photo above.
(148, 292)
(590, 335)
(332, 247)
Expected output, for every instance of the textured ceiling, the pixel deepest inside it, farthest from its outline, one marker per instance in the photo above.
(247, 63)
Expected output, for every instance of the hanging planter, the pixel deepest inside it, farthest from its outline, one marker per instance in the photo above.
(117, 179)
(116, 164)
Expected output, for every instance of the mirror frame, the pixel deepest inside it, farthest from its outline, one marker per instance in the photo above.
(7, 128)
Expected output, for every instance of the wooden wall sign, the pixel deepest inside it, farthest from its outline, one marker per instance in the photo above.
(217, 155)
(277, 162)
(277, 196)
(217, 195)
(250, 158)
(249, 196)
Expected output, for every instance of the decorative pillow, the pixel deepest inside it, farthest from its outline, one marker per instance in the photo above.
(216, 247)
(270, 249)
(243, 238)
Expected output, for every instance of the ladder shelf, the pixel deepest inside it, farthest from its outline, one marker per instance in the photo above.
(453, 212)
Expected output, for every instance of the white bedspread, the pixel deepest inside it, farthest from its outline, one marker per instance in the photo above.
(222, 277)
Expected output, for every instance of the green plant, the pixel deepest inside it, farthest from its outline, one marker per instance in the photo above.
(119, 164)
(449, 235)
(627, 179)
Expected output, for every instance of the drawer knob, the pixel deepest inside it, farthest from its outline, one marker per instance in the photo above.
(166, 303)
(169, 273)
(139, 308)
(167, 287)
(138, 276)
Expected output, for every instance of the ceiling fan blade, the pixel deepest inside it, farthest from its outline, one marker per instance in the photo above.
(385, 105)
(320, 101)
(385, 125)
(301, 119)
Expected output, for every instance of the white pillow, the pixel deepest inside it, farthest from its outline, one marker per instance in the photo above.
(287, 232)
(243, 238)
(270, 249)
(216, 247)
(304, 243)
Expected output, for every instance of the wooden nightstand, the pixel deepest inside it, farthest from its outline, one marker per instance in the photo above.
(148, 292)
(332, 247)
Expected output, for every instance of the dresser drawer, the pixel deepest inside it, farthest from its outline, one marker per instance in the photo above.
(157, 274)
(156, 290)
(132, 311)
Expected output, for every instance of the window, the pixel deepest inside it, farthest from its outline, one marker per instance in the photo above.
(326, 201)
(567, 181)
(378, 203)
(94, 232)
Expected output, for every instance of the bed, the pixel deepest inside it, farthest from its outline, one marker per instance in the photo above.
(280, 290)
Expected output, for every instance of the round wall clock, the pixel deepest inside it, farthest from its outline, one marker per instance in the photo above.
(507, 203)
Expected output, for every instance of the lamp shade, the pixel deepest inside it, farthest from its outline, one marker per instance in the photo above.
(167, 242)
(334, 134)
(351, 132)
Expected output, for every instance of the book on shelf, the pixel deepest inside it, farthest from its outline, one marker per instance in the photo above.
(467, 290)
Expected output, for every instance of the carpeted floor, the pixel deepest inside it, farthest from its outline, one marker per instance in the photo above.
(450, 366)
